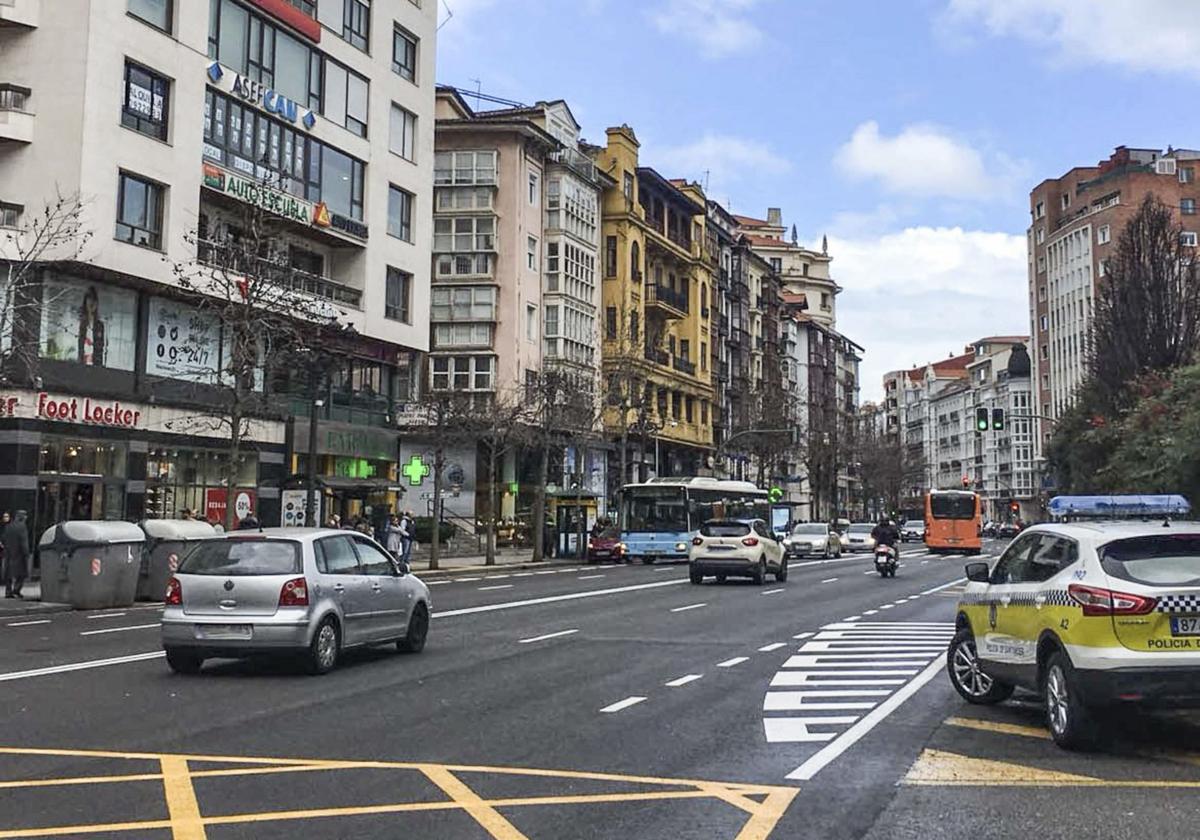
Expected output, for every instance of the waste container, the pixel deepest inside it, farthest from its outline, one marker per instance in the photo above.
(167, 541)
(91, 565)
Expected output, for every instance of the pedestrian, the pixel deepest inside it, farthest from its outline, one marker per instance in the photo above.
(249, 522)
(187, 514)
(334, 521)
(395, 536)
(16, 555)
(408, 527)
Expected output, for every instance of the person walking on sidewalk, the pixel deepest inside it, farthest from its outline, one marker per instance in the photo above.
(407, 527)
(396, 534)
(16, 555)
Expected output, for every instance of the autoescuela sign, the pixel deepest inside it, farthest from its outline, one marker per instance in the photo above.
(246, 189)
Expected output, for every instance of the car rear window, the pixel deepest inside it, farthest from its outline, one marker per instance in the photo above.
(958, 506)
(239, 557)
(914, 523)
(809, 529)
(725, 529)
(1166, 560)
(861, 529)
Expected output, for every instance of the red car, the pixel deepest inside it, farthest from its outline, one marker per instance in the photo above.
(606, 545)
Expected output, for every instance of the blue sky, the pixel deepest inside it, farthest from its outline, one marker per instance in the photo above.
(909, 131)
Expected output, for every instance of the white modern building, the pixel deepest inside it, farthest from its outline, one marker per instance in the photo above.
(168, 117)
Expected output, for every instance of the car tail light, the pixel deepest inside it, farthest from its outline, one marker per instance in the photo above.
(697, 541)
(294, 593)
(174, 593)
(591, 544)
(1097, 601)
(750, 541)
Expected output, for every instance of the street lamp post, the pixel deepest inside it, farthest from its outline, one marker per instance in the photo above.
(310, 490)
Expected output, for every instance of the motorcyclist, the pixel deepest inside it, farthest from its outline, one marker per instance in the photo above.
(885, 533)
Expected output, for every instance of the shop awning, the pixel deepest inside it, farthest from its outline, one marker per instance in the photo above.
(359, 485)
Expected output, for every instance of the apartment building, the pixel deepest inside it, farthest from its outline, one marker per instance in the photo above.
(516, 254)
(801, 271)
(168, 119)
(1075, 222)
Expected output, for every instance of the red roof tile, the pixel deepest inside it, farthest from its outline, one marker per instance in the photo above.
(749, 221)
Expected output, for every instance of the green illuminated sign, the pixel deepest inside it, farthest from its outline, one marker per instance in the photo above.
(775, 494)
(415, 470)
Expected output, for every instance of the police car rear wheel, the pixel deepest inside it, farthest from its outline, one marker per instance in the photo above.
(969, 679)
(1069, 719)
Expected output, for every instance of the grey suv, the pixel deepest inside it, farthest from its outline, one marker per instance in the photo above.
(300, 590)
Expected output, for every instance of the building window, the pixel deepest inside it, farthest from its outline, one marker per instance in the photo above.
(633, 326)
(703, 356)
(1066, 200)
(144, 106)
(10, 215)
(534, 190)
(703, 412)
(1039, 210)
(1187, 174)
(462, 335)
(610, 323)
(1188, 238)
(157, 13)
(464, 303)
(253, 46)
(1101, 268)
(399, 294)
(531, 254)
(627, 186)
(825, 300)
(139, 211)
(776, 264)
(464, 234)
(1041, 235)
(1043, 323)
(1041, 264)
(400, 206)
(402, 138)
(1187, 206)
(1042, 292)
(1045, 351)
(356, 23)
(346, 95)
(404, 54)
(1103, 235)
(635, 261)
(464, 168)
(551, 320)
(610, 256)
(689, 413)
(530, 322)
(461, 373)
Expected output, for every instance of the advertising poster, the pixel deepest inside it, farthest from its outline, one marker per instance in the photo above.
(184, 343)
(294, 509)
(89, 324)
(214, 505)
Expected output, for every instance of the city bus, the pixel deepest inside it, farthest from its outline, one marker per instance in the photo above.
(660, 517)
(952, 521)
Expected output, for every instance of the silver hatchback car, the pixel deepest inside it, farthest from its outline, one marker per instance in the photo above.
(312, 591)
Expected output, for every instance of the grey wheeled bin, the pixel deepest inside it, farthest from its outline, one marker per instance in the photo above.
(167, 542)
(91, 565)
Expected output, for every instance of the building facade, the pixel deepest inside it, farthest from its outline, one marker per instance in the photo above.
(171, 119)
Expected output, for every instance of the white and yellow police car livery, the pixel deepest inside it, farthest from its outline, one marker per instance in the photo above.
(1089, 613)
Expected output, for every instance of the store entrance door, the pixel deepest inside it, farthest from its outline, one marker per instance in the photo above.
(60, 501)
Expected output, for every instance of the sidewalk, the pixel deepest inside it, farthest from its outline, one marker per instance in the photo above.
(31, 604)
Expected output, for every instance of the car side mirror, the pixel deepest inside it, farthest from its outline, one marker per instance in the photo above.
(399, 569)
(977, 572)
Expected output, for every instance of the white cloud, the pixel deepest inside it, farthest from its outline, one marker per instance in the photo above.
(723, 159)
(920, 294)
(1143, 35)
(720, 27)
(925, 160)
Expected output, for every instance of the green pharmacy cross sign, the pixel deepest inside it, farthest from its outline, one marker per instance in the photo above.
(415, 470)
(775, 494)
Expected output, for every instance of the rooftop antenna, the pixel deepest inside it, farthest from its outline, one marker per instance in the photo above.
(449, 14)
(478, 91)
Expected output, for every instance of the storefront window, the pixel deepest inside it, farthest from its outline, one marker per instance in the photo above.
(179, 479)
(72, 456)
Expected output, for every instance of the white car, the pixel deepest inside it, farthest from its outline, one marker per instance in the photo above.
(913, 530)
(812, 538)
(858, 537)
(736, 547)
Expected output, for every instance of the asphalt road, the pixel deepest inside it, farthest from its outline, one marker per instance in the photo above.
(577, 702)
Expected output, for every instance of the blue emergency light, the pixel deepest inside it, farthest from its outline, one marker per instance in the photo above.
(1118, 506)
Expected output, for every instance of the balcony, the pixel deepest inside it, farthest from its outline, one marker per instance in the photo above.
(684, 366)
(659, 357)
(16, 123)
(19, 13)
(220, 256)
(673, 303)
(578, 162)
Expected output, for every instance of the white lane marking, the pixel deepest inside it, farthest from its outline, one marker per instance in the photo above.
(523, 574)
(551, 599)
(28, 623)
(683, 680)
(924, 562)
(869, 573)
(80, 666)
(821, 701)
(806, 661)
(801, 635)
(944, 586)
(436, 582)
(770, 592)
(689, 607)
(589, 577)
(903, 625)
(623, 704)
(822, 562)
(664, 569)
(497, 577)
(795, 730)
(771, 647)
(547, 636)
(885, 606)
(737, 660)
(852, 618)
(120, 629)
(548, 572)
(852, 735)
(466, 579)
(792, 679)
(497, 586)
(871, 612)
(829, 580)
(105, 615)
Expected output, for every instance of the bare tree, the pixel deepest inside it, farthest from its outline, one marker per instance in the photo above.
(259, 310)
(1147, 309)
(502, 428)
(54, 233)
(628, 410)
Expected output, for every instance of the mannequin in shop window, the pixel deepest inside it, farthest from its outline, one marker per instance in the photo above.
(91, 330)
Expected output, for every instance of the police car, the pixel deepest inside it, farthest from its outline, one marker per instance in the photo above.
(1088, 613)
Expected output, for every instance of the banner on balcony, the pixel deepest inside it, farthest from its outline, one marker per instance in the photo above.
(250, 191)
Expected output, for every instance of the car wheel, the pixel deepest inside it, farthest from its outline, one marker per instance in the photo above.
(184, 661)
(1069, 718)
(760, 574)
(968, 677)
(694, 576)
(324, 649)
(418, 631)
(781, 575)
(828, 553)
(648, 561)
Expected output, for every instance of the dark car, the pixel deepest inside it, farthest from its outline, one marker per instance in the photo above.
(606, 545)
(1008, 530)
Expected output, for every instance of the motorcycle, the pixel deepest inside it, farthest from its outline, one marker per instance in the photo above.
(886, 560)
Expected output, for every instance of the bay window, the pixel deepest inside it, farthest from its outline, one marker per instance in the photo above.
(462, 373)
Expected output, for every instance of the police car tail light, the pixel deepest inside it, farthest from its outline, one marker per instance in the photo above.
(1097, 601)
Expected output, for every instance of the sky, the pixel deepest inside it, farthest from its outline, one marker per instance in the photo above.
(910, 132)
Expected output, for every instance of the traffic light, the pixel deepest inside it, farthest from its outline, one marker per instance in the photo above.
(1015, 507)
(981, 420)
(966, 480)
(998, 419)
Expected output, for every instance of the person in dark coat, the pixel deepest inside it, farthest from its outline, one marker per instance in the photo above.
(16, 555)
(249, 523)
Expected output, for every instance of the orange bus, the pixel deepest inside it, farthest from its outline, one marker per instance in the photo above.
(952, 521)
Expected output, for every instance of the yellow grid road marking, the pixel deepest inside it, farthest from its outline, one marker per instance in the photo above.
(1003, 728)
(181, 800)
(941, 768)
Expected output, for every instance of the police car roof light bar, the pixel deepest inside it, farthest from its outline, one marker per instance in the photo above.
(1112, 507)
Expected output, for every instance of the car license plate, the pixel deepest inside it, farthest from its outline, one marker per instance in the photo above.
(1185, 625)
(226, 631)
